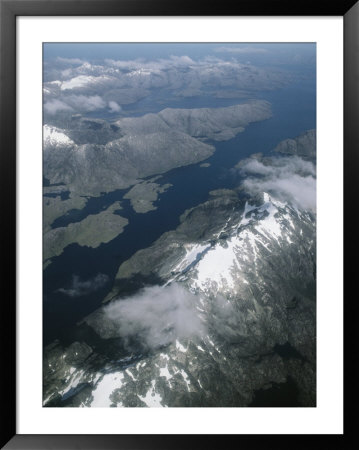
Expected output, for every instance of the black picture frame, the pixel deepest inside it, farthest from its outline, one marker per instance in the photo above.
(9, 10)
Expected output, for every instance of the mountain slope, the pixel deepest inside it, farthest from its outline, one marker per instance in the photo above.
(93, 156)
(248, 268)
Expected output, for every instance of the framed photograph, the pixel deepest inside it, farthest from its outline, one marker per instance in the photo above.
(174, 179)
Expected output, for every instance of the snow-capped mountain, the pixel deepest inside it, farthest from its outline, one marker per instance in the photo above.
(54, 137)
(246, 275)
(225, 266)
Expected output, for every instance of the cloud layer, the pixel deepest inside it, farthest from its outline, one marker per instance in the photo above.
(241, 50)
(289, 179)
(80, 86)
(155, 316)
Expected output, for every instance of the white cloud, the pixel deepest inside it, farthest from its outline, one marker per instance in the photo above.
(181, 60)
(66, 73)
(277, 167)
(54, 106)
(80, 103)
(85, 103)
(71, 61)
(114, 107)
(155, 316)
(286, 178)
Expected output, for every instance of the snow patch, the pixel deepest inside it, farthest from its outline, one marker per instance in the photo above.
(186, 379)
(180, 347)
(164, 356)
(47, 399)
(247, 209)
(104, 388)
(217, 264)
(269, 225)
(130, 374)
(55, 136)
(71, 371)
(221, 264)
(75, 380)
(152, 399)
(193, 254)
(164, 372)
